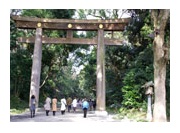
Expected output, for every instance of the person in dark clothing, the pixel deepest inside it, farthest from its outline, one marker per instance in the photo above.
(94, 105)
(69, 102)
(32, 106)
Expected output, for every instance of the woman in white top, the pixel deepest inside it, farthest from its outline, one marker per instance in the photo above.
(63, 106)
(74, 104)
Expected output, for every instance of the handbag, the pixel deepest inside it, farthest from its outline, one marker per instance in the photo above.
(45, 106)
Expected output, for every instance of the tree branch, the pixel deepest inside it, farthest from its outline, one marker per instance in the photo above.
(44, 81)
(154, 17)
(46, 76)
(124, 11)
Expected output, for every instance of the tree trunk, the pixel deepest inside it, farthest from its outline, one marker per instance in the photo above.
(159, 18)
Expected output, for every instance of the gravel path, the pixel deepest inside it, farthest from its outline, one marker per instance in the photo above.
(68, 117)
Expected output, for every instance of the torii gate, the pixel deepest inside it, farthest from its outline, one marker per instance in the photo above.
(69, 25)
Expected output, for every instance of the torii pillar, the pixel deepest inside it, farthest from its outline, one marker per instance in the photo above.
(100, 80)
(36, 65)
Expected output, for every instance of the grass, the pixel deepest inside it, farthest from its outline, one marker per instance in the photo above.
(17, 111)
(134, 115)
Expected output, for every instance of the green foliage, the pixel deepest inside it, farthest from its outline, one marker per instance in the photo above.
(131, 92)
(39, 13)
(140, 69)
(17, 103)
(140, 27)
(20, 61)
(87, 76)
(138, 74)
(62, 13)
(132, 114)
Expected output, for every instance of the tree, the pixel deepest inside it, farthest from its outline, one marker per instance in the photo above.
(161, 57)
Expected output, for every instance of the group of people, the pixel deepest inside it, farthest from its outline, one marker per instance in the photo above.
(47, 105)
(72, 103)
(54, 101)
(69, 103)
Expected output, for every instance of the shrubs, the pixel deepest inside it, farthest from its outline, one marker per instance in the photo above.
(17, 105)
(132, 114)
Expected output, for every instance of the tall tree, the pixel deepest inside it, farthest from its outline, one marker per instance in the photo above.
(161, 57)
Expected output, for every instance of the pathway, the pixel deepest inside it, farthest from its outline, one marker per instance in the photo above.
(68, 117)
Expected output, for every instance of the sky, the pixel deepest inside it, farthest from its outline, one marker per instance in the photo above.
(6, 125)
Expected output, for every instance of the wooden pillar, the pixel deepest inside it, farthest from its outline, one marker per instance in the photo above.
(149, 93)
(36, 66)
(100, 81)
(112, 34)
(149, 108)
(69, 34)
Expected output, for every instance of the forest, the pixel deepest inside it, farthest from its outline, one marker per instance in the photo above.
(70, 70)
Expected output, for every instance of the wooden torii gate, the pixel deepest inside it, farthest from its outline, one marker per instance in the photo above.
(69, 25)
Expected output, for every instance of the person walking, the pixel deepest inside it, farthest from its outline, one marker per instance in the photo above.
(33, 106)
(80, 103)
(63, 105)
(74, 104)
(85, 106)
(47, 105)
(54, 105)
(94, 104)
(90, 104)
(69, 102)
